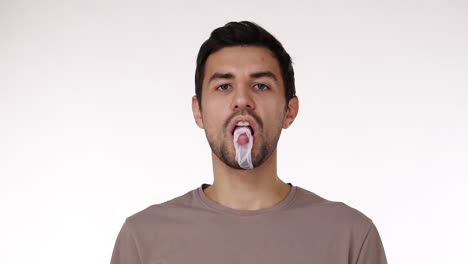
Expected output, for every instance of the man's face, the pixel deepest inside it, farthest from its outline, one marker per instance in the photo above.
(243, 82)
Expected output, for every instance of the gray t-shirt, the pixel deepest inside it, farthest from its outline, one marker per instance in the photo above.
(302, 228)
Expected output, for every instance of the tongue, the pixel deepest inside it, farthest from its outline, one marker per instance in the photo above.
(243, 139)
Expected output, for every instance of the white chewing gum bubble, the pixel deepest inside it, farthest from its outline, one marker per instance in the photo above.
(243, 143)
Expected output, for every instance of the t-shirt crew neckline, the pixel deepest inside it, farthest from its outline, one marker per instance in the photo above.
(230, 211)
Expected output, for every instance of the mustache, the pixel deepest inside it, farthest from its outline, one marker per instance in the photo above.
(244, 113)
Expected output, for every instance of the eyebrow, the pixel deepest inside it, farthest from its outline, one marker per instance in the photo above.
(263, 74)
(228, 75)
(221, 75)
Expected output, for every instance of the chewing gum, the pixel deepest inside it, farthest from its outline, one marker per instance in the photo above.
(243, 151)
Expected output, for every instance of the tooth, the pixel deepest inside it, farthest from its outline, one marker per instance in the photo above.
(243, 123)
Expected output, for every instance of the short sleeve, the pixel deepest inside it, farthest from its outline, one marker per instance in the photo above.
(125, 248)
(372, 250)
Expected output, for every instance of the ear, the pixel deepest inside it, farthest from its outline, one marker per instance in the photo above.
(291, 112)
(196, 110)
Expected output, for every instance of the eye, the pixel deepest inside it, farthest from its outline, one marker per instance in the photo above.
(223, 87)
(262, 86)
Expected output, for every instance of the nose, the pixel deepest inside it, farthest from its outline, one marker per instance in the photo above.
(243, 99)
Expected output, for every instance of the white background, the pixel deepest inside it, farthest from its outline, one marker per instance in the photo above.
(96, 121)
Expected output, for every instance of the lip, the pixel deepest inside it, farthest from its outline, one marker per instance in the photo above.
(248, 119)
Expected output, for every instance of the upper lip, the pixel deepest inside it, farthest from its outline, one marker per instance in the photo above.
(248, 119)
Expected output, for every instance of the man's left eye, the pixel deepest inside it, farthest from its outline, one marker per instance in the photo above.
(261, 86)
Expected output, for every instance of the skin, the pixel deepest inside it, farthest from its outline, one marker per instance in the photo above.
(263, 99)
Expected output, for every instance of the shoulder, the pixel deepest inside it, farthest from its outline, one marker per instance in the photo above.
(165, 211)
(343, 225)
(330, 212)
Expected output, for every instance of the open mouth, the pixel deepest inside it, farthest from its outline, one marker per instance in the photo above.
(249, 127)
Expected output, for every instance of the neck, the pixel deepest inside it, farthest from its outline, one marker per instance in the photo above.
(254, 189)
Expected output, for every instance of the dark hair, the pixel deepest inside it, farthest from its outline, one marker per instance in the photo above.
(244, 33)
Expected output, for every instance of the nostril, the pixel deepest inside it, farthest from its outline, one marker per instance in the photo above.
(248, 106)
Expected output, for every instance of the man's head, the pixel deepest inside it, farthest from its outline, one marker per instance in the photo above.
(243, 74)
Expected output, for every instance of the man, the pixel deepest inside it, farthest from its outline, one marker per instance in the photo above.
(245, 96)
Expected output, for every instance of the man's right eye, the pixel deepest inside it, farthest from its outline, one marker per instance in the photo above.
(223, 87)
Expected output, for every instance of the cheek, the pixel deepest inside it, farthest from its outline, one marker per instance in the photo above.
(215, 111)
(213, 120)
(275, 110)
(275, 123)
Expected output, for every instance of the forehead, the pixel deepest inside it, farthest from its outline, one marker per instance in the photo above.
(241, 60)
